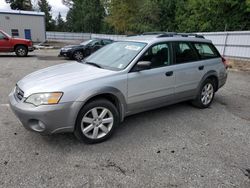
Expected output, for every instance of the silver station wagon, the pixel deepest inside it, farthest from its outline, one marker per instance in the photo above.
(140, 73)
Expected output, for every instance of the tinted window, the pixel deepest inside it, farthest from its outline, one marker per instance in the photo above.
(86, 42)
(159, 55)
(184, 52)
(95, 42)
(106, 42)
(205, 51)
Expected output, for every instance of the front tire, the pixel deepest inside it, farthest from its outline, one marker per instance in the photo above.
(206, 94)
(78, 56)
(21, 51)
(96, 121)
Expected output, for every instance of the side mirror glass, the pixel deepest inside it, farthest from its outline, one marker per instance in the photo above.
(143, 65)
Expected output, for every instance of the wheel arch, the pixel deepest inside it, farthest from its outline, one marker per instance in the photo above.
(16, 45)
(109, 93)
(210, 75)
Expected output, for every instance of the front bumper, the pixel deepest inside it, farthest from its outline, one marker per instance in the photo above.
(64, 54)
(31, 48)
(45, 119)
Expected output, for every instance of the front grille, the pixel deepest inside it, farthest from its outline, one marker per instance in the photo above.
(19, 93)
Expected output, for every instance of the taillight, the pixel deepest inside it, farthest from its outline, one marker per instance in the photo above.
(225, 62)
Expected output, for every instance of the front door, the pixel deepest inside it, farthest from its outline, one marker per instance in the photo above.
(27, 34)
(155, 86)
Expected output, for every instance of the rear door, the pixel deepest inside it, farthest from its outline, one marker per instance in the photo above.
(155, 86)
(189, 69)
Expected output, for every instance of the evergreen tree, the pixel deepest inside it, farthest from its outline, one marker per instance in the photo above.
(212, 15)
(20, 4)
(130, 16)
(60, 24)
(86, 16)
(46, 8)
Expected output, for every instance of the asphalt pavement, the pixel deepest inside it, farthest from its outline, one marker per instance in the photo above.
(174, 146)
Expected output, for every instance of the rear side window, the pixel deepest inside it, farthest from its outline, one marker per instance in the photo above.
(206, 51)
(184, 52)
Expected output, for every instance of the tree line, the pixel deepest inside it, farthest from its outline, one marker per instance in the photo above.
(137, 16)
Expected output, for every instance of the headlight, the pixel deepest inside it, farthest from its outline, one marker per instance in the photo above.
(66, 49)
(44, 98)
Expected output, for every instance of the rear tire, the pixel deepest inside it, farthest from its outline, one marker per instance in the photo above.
(21, 51)
(96, 121)
(206, 94)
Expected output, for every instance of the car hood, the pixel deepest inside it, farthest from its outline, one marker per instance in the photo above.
(20, 39)
(57, 77)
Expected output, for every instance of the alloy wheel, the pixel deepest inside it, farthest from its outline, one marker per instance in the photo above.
(207, 94)
(97, 123)
(78, 56)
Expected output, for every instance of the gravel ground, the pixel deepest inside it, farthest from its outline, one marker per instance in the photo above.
(175, 146)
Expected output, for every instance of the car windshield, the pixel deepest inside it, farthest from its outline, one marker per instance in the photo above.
(116, 56)
(87, 42)
(6, 34)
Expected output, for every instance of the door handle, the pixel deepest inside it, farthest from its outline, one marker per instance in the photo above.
(201, 67)
(170, 73)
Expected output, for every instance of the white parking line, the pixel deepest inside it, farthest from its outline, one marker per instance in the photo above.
(5, 105)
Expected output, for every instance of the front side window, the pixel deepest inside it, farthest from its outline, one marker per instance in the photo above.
(205, 50)
(184, 53)
(2, 36)
(117, 55)
(158, 55)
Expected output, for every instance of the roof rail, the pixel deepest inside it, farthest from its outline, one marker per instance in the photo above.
(191, 34)
(161, 34)
(152, 33)
(158, 33)
(180, 34)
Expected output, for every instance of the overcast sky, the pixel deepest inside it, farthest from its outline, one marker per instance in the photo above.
(56, 5)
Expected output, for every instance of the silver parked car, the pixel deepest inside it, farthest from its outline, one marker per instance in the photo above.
(126, 77)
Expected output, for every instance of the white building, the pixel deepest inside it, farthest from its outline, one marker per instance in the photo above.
(24, 24)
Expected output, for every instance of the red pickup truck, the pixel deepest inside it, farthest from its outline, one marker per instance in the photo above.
(20, 46)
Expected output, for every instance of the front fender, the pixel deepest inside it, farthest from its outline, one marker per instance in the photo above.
(102, 91)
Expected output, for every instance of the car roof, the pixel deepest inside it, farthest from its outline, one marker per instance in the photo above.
(155, 37)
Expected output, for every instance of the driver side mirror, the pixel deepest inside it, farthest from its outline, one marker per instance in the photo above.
(6, 38)
(142, 65)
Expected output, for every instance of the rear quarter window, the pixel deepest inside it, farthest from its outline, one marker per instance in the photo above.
(206, 51)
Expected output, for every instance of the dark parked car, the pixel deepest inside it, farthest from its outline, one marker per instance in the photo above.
(79, 52)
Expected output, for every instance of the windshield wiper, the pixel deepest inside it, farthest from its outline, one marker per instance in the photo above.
(94, 64)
